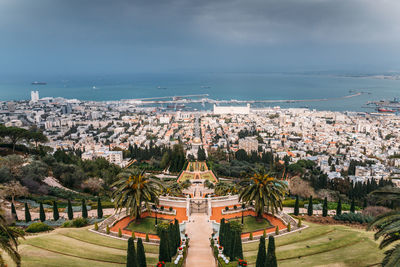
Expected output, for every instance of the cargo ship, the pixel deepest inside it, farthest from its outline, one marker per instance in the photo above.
(386, 110)
(39, 83)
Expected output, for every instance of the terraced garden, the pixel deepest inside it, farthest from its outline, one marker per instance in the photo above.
(77, 247)
(146, 225)
(322, 245)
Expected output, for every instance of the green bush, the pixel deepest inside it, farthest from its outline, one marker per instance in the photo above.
(80, 222)
(108, 229)
(96, 226)
(38, 227)
(353, 217)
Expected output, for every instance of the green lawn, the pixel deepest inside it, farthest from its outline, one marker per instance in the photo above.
(322, 245)
(207, 176)
(186, 176)
(251, 224)
(146, 225)
(77, 247)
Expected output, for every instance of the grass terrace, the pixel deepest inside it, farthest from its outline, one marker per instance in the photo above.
(207, 176)
(145, 225)
(251, 224)
(322, 245)
(186, 176)
(76, 247)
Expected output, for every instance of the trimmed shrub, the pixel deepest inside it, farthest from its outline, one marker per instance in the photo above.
(119, 232)
(235, 207)
(38, 227)
(299, 223)
(108, 229)
(96, 226)
(289, 227)
(226, 208)
(264, 234)
(251, 236)
(162, 208)
(170, 209)
(147, 239)
(353, 217)
(80, 222)
(133, 235)
(277, 230)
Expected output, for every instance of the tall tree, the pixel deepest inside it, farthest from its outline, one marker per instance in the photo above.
(177, 233)
(261, 255)
(310, 209)
(70, 211)
(14, 212)
(131, 259)
(42, 215)
(271, 257)
(171, 240)
(325, 207)
(221, 231)
(164, 247)
(27, 213)
(84, 209)
(296, 206)
(133, 190)
(266, 192)
(99, 209)
(56, 215)
(339, 207)
(141, 256)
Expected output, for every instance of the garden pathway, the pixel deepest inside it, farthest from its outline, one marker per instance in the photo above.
(199, 230)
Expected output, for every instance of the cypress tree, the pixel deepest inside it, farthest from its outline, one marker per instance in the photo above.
(164, 247)
(261, 255)
(271, 257)
(131, 260)
(171, 240)
(238, 251)
(70, 211)
(56, 215)
(84, 209)
(27, 213)
(325, 207)
(365, 204)
(42, 215)
(99, 209)
(296, 206)
(353, 206)
(141, 256)
(339, 207)
(227, 239)
(14, 212)
(221, 232)
(310, 207)
(177, 234)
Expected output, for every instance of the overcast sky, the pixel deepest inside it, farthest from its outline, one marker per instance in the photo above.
(121, 36)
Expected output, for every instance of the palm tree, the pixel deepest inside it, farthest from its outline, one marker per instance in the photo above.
(223, 189)
(388, 226)
(265, 191)
(173, 189)
(134, 189)
(9, 240)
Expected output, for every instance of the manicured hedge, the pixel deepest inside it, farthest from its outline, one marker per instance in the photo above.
(38, 227)
(353, 217)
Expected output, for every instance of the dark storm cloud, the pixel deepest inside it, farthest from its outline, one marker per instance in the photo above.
(168, 34)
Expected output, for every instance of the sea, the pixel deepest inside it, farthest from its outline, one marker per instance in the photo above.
(218, 86)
